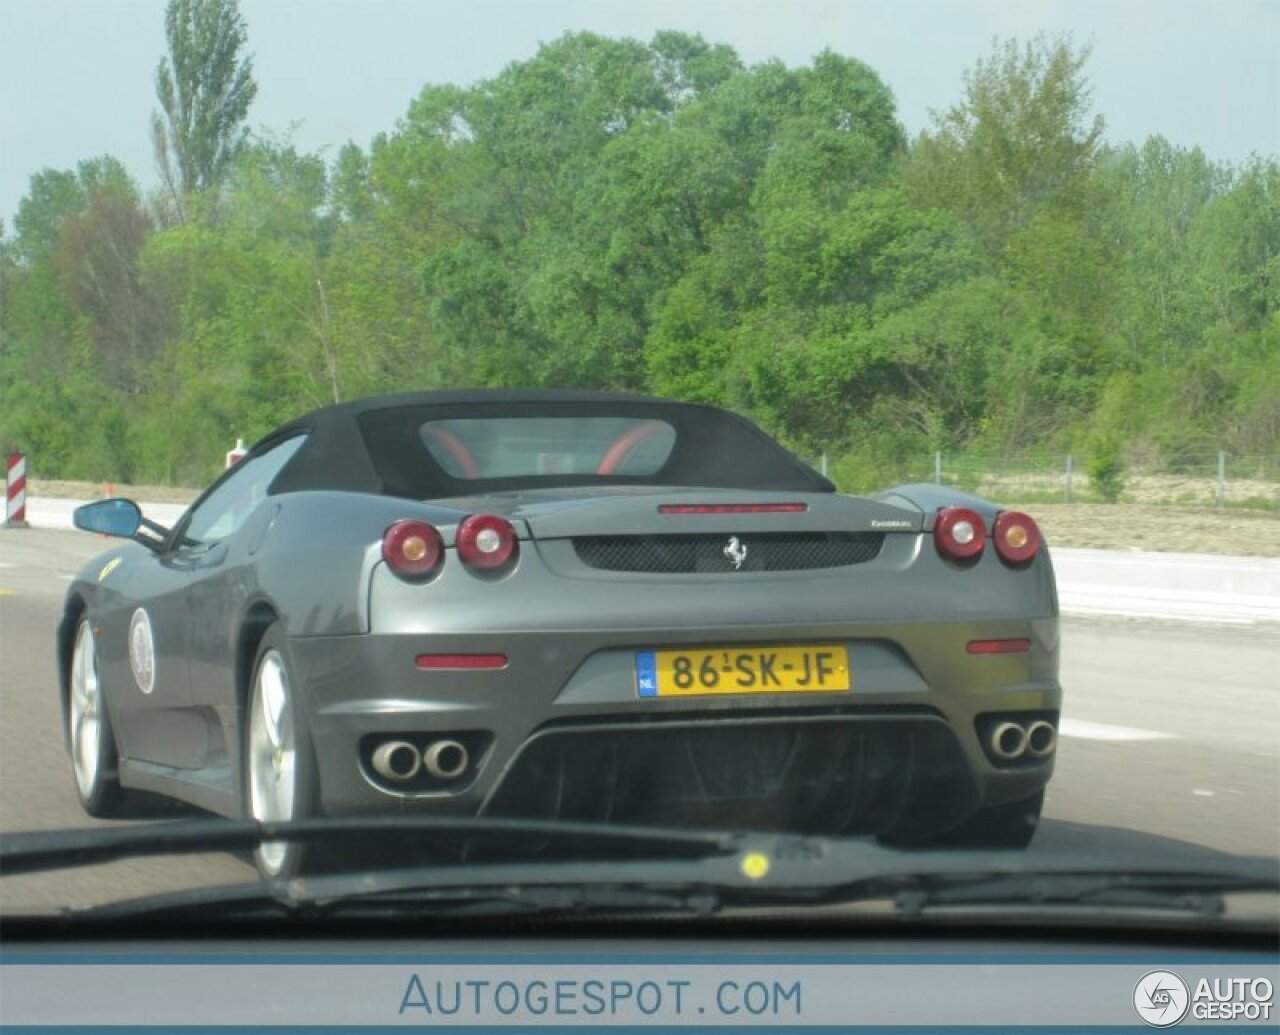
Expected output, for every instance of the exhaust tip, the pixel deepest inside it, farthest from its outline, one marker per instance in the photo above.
(396, 760)
(1042, 738)
(445, 759)
(1008, 741)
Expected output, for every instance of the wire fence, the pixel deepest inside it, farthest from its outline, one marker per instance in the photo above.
(1218, 479)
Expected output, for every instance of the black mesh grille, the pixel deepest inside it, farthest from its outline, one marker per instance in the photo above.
(907, 777)
(691, 554)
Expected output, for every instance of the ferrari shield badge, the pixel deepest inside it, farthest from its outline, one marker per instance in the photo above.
(736, 552)
(142, 651)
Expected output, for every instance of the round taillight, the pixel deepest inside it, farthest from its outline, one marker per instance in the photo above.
(413, 549)
(487, 543)
(1017, 537)
(959, 533)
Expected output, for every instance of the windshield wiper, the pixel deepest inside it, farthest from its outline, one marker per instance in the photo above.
(1149, 887)
(630, 869)
(792, 871)
(506, 898)
(36, 851)
(702, 888)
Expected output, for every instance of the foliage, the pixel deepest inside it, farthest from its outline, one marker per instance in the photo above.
(1019, 143)
(205, 88)
(655, 217)
(1106, 470)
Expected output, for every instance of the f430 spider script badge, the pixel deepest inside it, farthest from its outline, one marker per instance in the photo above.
(736, 551)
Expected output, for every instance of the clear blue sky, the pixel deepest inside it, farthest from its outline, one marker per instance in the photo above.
(76, 76)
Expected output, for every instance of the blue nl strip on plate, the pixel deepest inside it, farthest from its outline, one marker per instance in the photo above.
(646, 673)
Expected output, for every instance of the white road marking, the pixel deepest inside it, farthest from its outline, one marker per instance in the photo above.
(1201, 792)
(1083, 730)
(7, 564)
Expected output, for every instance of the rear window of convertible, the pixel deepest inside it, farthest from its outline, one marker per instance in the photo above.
(529, 447)
(432, 451)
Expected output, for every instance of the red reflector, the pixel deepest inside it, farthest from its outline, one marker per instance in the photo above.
(435, 661)
(998, 646)
(732, 508)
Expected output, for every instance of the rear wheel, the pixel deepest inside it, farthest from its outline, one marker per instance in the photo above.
(93, 747)
(1009, 826)
(1002, 826)
(279, 763)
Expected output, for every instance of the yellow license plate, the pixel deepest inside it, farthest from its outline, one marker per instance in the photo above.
(742, 670)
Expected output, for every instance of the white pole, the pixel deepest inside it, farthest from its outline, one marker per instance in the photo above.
(236, 453)
(1222, 478)
(937, 467)
(1068, 490)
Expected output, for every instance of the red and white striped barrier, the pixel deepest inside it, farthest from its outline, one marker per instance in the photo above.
(15, 505)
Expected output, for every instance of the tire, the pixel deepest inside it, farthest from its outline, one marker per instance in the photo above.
(279, 762)
(1002, 826)
(92, 745)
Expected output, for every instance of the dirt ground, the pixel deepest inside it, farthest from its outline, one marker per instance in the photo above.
(1144, 526)
(96, 490)
(1181, 490)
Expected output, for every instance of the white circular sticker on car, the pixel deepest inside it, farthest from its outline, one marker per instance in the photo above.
(142, 651)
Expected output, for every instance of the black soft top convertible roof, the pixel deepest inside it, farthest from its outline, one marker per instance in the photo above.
(375, 445)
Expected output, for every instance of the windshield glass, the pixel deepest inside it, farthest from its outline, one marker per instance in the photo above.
(226, 507)
(826, 439)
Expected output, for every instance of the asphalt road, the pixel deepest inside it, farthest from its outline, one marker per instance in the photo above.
(1171, 733)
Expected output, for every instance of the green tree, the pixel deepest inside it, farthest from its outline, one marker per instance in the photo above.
(205, 87)
(1022, 139)
(655, 216)
(773, 314)
(97, 266)
(1017, 161)
(56, 194)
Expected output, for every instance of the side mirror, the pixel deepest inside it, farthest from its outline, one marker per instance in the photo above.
(109, 517)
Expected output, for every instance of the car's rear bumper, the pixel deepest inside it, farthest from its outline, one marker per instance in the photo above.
(561, 730)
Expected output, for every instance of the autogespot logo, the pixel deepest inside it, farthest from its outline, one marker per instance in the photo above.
(1161, 999)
